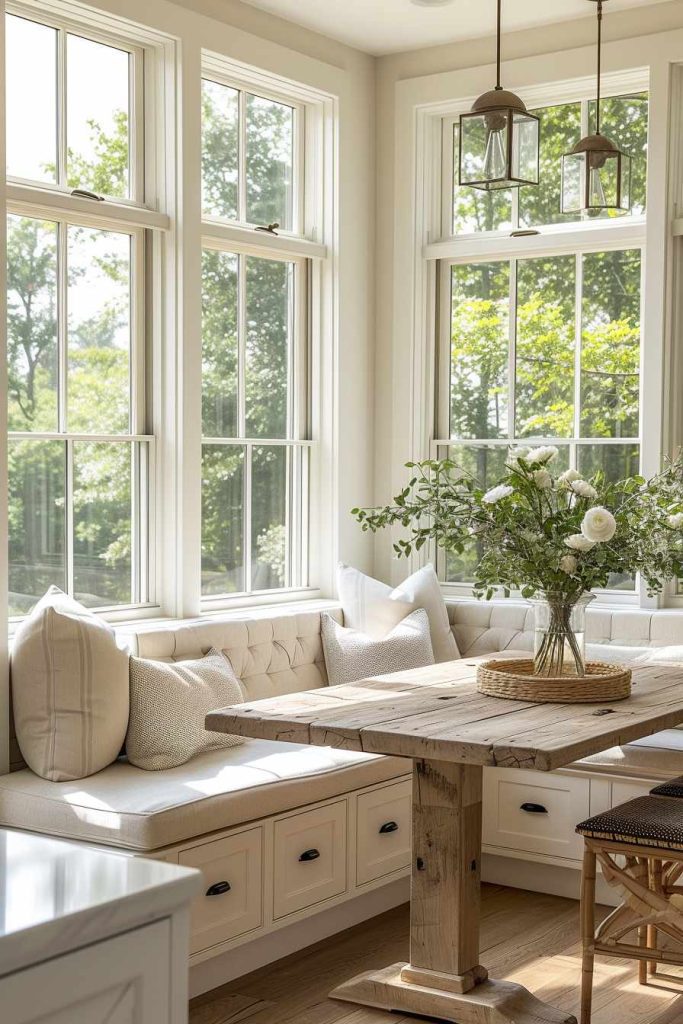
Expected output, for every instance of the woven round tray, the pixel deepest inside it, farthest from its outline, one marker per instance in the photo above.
(515, 680)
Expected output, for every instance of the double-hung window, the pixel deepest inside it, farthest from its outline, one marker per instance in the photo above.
(255, 364)
(80, 455)
(540, 315)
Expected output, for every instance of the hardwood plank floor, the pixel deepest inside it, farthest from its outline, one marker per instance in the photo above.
(526, 937)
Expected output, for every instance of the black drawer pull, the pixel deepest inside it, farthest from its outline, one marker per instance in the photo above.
(388, 826)
(534, 808)
(218, 888)
(310, 855)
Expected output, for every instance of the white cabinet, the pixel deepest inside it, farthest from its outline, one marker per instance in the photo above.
(231, 901)
(383, 831)
(309, 853)
(119, 981)
(535, 812)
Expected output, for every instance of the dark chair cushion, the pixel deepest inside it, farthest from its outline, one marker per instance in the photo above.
(648, 821)
(674, 787)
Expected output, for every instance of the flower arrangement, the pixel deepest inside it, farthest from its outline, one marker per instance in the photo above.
(551, 537)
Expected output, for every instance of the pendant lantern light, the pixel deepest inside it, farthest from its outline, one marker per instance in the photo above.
(499, 139)
(596, 175)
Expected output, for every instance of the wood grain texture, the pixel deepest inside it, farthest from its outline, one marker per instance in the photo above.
(529, 938)
(436, 713)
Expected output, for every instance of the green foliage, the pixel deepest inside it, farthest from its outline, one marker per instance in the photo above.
(523, 525)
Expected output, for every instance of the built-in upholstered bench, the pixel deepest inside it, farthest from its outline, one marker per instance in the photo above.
(245, 815)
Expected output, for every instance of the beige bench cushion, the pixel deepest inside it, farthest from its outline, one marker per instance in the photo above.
(657, 757)
(128, 807)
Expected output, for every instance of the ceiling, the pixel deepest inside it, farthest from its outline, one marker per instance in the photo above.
(388, 26)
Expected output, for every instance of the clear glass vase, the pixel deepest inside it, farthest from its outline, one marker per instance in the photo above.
(560, 634)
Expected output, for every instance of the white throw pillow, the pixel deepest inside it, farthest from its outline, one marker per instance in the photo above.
(351, 655)
(168, 704)
(69, 690)
(374, 608)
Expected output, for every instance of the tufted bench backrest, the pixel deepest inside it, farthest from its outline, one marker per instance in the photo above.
(484, 627)
(271, 654)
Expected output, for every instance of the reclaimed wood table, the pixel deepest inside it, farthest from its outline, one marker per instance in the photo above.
(436, 717)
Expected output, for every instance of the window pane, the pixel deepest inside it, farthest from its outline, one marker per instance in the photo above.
(36, 499)
(624, 119)
(269, 301)
(99, 331)
(222, 519)
(31, 83)
(270, 152)
(610, 357)
(102, 521)
(475, 210)
(97, 117)
(479, 349)
(546, 313)
(220, 148)
(616, 461)
(487, 466)
(32, 324)
(269, 518)
(560, 130)
(219, 344)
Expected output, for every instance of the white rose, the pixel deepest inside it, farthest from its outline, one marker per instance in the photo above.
(568, 477)
(598, 525)
(569, 564)
(542, 479)
(515, 454)
(583, 489)
(577, 542)
(546, 453)
(497, 494)
(676, 521)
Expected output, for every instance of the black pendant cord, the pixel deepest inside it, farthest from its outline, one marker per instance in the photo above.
(597, 108)
(498, 85)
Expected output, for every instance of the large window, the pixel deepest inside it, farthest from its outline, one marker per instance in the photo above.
(540, 334)
(254, 348)
(79, 454)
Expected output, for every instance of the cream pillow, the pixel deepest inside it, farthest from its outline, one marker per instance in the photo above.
(168, 704)
(374, 608)
(69, 690)
(350, 655)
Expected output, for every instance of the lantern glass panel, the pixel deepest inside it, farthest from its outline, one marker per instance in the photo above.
(625, 182)
(484, 148)
(525, 147)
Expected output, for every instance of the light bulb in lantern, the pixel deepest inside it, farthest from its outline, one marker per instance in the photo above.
(495, 161)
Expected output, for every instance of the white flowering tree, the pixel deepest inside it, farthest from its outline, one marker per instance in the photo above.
(560, 536)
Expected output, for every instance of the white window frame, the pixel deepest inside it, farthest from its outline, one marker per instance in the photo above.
(303, 247)
(442, 250)
(141, 218)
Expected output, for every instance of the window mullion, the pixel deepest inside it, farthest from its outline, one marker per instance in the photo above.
(61, 108)
(247, 516)
(512, 351)
(241, 345)
(578, 344)
(69, 518)
(62, 326)
(242, 156)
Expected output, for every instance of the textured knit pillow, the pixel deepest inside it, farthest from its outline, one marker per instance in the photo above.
(350, 655)
(69, 690)
(374, 608)
(168, 704)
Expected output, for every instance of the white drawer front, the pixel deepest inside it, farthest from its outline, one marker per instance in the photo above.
(221, 913)
(535, 812)
(383, 836)
(310, 858)
(623, 791)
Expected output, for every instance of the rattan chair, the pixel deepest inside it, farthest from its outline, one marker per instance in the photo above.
(639, 846)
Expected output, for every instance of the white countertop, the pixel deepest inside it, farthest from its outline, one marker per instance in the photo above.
(57, 896)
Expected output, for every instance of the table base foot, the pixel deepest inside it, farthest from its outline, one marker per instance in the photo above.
(491, 1002)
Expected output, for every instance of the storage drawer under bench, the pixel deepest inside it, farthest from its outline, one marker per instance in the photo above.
(309, 851)
(534, 811)
(383, 831)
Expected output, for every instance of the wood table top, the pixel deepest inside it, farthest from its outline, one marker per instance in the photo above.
(437, 713)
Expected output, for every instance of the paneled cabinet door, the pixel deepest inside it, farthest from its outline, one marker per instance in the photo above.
(231, 902)
(125, 980)
(310, 858)
(383, 832)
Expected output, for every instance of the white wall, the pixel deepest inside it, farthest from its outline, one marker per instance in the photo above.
(434, 75)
